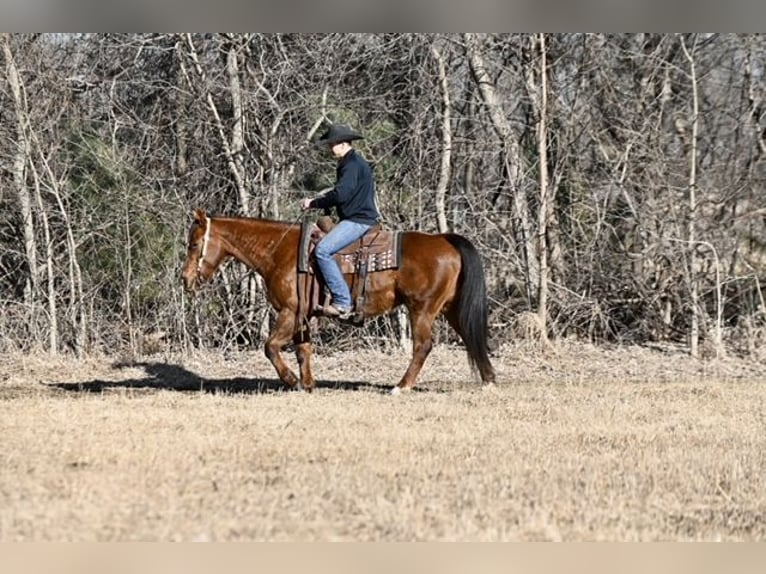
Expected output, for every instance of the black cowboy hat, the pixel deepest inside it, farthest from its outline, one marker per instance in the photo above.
(338, 133)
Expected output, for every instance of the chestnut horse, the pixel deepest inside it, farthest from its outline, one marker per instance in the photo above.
(437, 273)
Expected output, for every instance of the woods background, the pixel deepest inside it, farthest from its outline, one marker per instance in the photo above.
(613, 183)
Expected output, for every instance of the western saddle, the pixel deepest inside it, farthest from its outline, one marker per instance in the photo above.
(376, 250)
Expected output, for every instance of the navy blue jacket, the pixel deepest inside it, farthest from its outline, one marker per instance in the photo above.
(354, 193)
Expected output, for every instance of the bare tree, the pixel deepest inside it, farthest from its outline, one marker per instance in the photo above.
(20, 159)
(613, 182)
(512, 160)
(691, 236)
(446, 155)
(232, 148)
(543, 210)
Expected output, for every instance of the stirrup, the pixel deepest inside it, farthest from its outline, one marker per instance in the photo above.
(332, 311)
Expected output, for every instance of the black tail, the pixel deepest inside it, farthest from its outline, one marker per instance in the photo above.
(471, 310)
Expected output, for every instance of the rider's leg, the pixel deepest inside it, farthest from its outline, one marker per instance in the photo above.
(342, 235)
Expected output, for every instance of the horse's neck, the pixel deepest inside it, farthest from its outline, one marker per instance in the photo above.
(255, 242)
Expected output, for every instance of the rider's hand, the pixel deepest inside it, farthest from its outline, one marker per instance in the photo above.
(305, 203)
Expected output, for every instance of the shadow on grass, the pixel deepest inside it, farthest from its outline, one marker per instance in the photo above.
(164, 376)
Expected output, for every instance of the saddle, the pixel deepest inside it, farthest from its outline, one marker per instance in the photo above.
(376, 250)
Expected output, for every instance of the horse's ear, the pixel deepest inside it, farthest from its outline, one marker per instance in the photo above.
(199, 216)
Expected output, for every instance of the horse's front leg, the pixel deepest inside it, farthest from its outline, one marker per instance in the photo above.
(304, 351)
(281, 333)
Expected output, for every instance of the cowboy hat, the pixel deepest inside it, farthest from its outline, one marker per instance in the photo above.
(338, 133)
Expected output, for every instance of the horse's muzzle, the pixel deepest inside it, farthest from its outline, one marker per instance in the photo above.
(190, 281)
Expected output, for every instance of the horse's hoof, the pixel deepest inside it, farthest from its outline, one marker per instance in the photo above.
(396, 391)
(291, 381)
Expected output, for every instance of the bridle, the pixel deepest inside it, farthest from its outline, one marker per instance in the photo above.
(205, 241)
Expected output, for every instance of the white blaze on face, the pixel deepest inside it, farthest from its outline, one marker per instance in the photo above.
(205, 241)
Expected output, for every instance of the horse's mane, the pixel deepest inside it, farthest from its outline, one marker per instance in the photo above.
(249, 219)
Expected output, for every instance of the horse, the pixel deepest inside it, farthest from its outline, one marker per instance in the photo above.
(438, 273)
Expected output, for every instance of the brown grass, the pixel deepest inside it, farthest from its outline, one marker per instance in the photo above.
(577, 443)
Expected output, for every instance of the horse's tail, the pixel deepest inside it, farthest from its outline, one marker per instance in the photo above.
(471, 307)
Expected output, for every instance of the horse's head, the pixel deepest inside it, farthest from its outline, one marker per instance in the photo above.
(204, 252)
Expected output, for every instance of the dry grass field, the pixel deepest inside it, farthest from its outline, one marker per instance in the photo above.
(575, 443)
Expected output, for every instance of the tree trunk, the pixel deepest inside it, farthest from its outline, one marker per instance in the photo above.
(238, 127)
(20, 159)
(692, 216)
(180, 119)
(78, 313)
(236, 173)
(512, 161)
(53, 327)
(542, 249)
(446, 155)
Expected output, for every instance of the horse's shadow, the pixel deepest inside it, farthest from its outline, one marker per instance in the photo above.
(164, 376)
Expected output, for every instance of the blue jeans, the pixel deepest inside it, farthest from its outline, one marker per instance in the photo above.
(342, 235)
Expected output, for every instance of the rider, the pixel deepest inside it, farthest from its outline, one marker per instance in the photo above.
(353, 196)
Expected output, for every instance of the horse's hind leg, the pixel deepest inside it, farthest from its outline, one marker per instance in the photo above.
(421, 322)
(281, 333)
